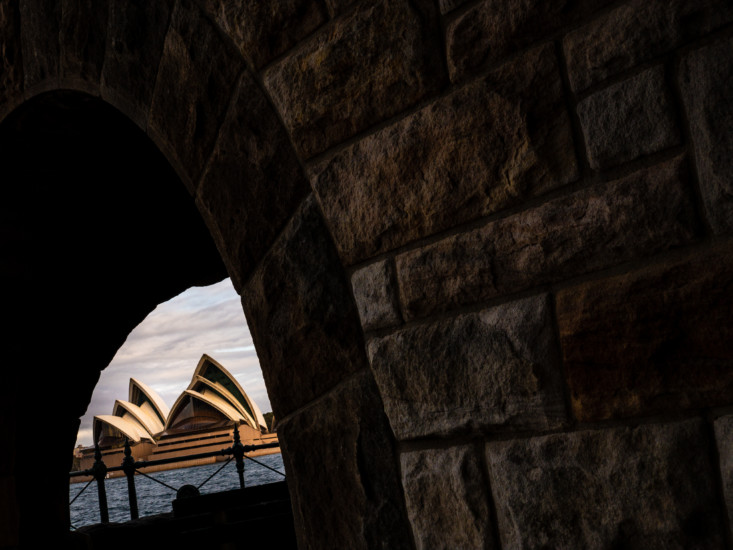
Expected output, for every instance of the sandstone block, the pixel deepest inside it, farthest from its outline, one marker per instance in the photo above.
(40, 37)
(447, 498)
(493, 369)
(253, 182)
(195, 81)
(83, 39)
(449, 5)
(11, 65)
(489, 145)
(336, 7)
(628, 120)
(644, 213)
(264, 30)
(705, 77)
(724, 438)
(372, 64)
(490, 30)
(376, 295)
(636, 32)
(302, 316)
(137, 30)
(650, 341)
(340, 461)
(647, 487)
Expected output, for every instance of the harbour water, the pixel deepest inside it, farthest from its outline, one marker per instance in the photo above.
(154, 498)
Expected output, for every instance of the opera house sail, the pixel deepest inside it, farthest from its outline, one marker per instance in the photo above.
(200, 420)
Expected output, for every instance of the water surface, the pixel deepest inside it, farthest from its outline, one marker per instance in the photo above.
(154, 498)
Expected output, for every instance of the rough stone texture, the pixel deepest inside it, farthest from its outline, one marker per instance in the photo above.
(636, 32)
(302, 316)
(492, 29)
(705, 77)
(264, 30)
(628, 120)
(644, 213)
(447, 498)
(195, 82)
(490, 145)
(649, 487)
(340, 461)
(337, 7)
(724, 438)
(651, 341)
(375, 293)
(373, 63)
(83, 38)
(253, 183)
(449, 5)
(40, 22)
(137, 33)
(11, 66)
(494, 369)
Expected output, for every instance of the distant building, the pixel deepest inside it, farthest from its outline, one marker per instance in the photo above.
(201, 420)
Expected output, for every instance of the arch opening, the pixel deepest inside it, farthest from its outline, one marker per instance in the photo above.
(97, 230)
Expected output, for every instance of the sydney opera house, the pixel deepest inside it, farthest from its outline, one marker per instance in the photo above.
(200, 420)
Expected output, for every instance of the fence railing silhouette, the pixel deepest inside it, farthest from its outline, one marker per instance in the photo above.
(129, 466)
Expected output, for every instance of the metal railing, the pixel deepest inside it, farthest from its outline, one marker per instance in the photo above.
(129, 466)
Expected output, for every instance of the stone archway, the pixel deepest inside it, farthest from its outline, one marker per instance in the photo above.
(194, 96)
(521, 222)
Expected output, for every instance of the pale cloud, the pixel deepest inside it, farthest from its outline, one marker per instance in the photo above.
(164, 349)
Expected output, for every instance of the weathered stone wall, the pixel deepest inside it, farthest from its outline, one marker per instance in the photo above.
(484, 247)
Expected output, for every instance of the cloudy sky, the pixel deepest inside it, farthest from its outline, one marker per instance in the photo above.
(164, 349)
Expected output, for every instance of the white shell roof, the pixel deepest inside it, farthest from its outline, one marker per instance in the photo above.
(151, 394)
(210, 360)
(147, 418)
(216, 402)
(132, 430)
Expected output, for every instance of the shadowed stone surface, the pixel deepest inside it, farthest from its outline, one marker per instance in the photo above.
(628, 120)
(636, 32)
(372, 64)
(350, 496)
(376, 295)
(649, 488)
(195, 82)
(651, 341)
(264, 30)
(137, 32)
(644, 213)
(490, 145)
(302, 316)
(252, 184)
(706, 77)
(493, 369)
(11, 66)
(447, 498)
(449, 5)
(83, 39)
(40, 22)
(336, 7)
(724, 438)
(641, 214)
(492, 29)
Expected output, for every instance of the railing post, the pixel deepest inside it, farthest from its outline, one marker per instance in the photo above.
(128, 466)
(238, 452)
(99, 471)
